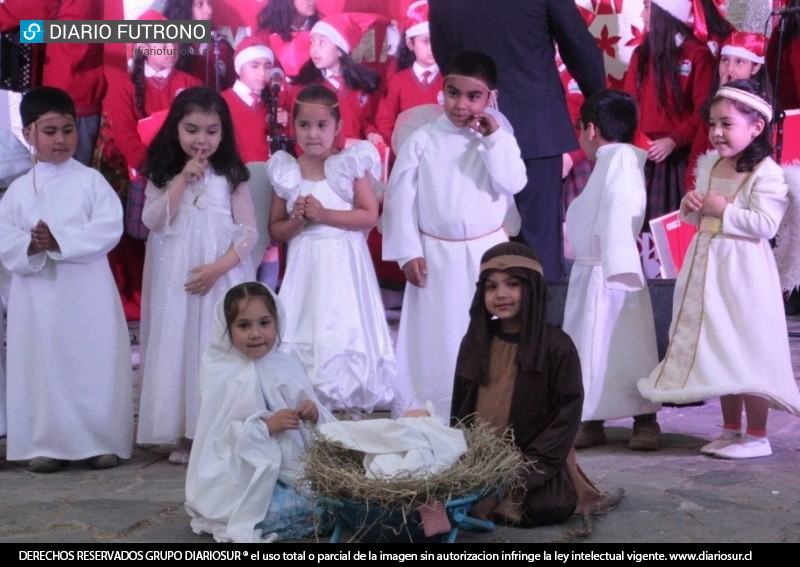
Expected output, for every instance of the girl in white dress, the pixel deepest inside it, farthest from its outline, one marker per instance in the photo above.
(323, 205)
(202, 230)
(728, 335)
(257, 412)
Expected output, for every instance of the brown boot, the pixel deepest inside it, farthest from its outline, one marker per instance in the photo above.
(646, 435)
(590, 433)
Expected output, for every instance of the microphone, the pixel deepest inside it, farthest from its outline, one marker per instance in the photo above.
(786, 12)
(276, 81)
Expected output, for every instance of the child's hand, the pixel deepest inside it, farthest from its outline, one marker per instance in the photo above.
(416, 271)
(307, 411)
(484, 124)
(692, 201)
(714, 205)
(204, 278)
(313, 209)
(42, 239)
(282, 420)
(376, 139)
(194, 169)
(660, 149)
(299, 210)
(566, 164)
(283, 117)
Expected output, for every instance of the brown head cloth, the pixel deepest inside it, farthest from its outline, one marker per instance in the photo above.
(520, 261)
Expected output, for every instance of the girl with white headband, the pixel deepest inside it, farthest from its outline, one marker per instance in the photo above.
(728, 334)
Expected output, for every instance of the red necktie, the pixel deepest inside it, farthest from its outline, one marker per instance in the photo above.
(255, 99)
(426, 78)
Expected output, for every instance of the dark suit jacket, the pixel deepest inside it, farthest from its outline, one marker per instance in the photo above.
(519, 36)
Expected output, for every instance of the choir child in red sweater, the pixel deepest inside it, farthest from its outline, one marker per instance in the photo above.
(246, 99)
(76, 68)
(670, 77)
(417, 81)
(331, 64)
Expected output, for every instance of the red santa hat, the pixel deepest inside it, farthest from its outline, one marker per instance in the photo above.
(346, 29)
(746, 45)
(417, 19)
(152, 15)
(250, 48)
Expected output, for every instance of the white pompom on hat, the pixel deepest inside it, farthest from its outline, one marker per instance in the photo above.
(250, 48)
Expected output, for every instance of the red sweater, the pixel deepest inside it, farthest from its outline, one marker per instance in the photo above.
(251, 127)
(696, 68)
(404, 91)
(120, 117)
(74, 67)
(788, 91)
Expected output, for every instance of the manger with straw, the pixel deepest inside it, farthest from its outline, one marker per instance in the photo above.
(337, 473)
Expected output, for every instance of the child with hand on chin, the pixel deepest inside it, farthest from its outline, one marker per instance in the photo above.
(450, 198)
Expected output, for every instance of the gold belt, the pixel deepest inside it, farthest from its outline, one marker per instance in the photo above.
(711, 225)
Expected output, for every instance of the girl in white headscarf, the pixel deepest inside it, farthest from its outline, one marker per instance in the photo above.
(256, 410)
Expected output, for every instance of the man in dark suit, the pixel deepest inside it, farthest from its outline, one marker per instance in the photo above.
(519, 35)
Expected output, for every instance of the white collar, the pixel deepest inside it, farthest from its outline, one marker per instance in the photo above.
(418, 70)
(244, 92)
(150, 72)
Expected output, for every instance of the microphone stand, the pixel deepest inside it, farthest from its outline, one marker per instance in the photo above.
(277, 140)
(216, 38)
(777, 111)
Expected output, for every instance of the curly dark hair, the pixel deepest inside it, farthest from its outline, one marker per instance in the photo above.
(165, 157)
(356, 77)
(277, 17)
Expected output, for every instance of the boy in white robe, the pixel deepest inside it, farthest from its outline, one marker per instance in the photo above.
(608, 313)
(69, 386)
(449, 196)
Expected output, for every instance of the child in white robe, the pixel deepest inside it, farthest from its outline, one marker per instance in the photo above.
(256, 406)
(728, 334)
(202, 232)
(449, 197)
(608, 312)
(323, 204)
(70, 394)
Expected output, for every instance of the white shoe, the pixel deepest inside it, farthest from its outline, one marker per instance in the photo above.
(179, 457)
(747, 448)
(719, 443)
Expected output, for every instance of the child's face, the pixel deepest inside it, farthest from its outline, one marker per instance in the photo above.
(161, 56)
(324, 53)
(588, 140)
(201, 9)
(503, 299)
(732, 68)
(199, 134)
(316, 129)
(420, 46)
(730, 131)
(255, 73)
(463, 99)
(254, 331)
(646, 14)
(305, 8)
(54, 138)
